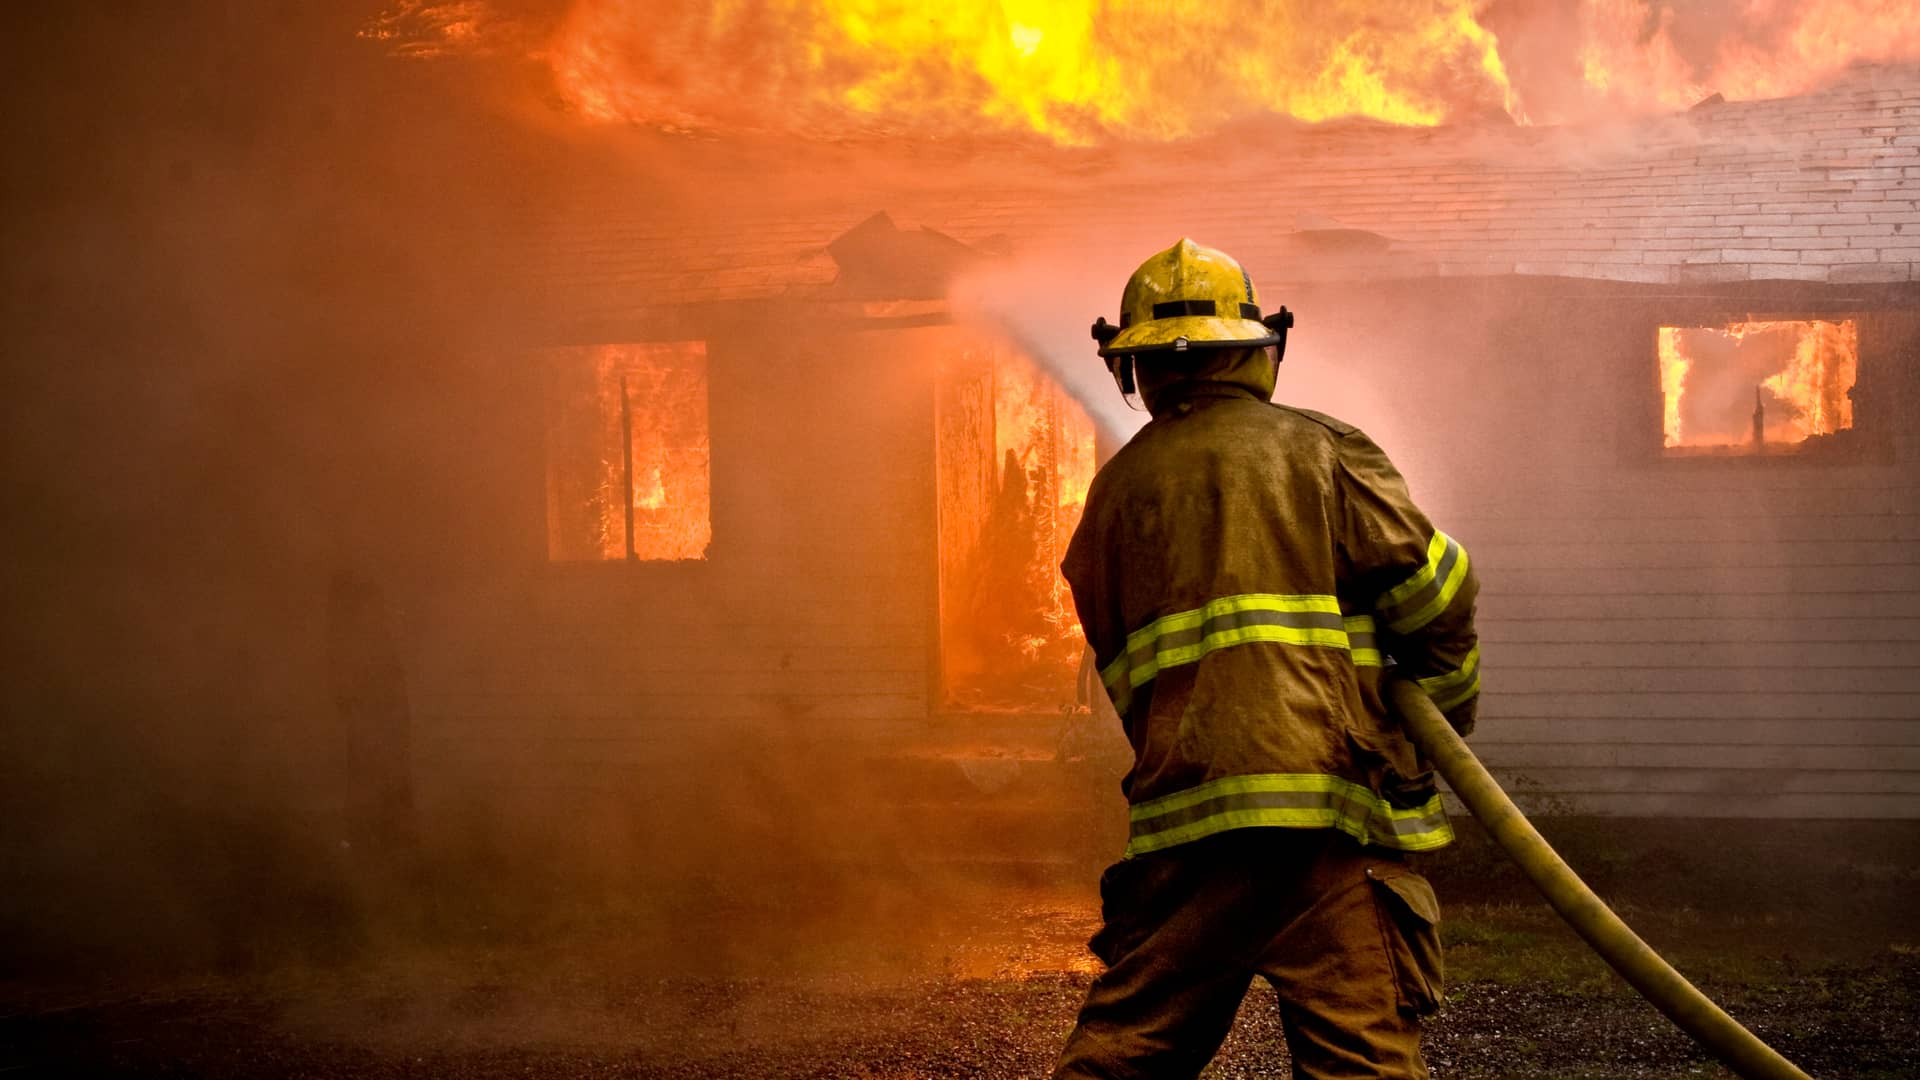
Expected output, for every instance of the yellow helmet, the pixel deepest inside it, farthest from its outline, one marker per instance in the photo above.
(1190, 297)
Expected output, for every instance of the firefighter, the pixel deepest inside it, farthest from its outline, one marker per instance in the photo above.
(1247, 574)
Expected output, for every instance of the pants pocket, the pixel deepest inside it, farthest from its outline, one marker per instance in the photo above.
(1410, 922)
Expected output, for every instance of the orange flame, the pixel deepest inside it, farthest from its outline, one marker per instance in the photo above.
(1673, 382)
(1051, 437)
(589, 481)
(426, 29)
(666, 403)
(1081, 71)
(1073, 71)
(1802, 370)
(1815, 382)
(1016, 458)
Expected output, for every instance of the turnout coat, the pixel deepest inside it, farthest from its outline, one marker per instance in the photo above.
(1247, 574)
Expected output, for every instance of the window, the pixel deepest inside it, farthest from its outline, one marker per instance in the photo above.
(1757, 387)
(627, 455)
(1015, 456)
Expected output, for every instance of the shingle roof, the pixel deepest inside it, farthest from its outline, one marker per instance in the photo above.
(1819, 188)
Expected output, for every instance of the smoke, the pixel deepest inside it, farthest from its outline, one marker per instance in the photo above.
(268, 425)
(277, 577)
(1577, 62)
(1038, 304)
(1046, 301)
(249, 304)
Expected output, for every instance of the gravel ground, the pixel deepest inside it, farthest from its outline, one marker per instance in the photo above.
(447, 1019)
(1817, 957)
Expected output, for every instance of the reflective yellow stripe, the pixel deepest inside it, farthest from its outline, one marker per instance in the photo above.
(1453, 688)
(1286, 800)
(1448, 590)
(1416, 601)
(1362, 641)
(1285, 635)
(1399, 594)
(1227, 605)
(1186, 636)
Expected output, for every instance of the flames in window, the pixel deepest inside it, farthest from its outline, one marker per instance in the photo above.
(1755, 387)
(627, 455)
(1015, 458)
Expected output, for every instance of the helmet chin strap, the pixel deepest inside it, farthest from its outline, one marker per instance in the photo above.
(1121, 368)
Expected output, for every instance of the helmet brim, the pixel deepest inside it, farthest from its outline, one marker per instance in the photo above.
(1197, 331)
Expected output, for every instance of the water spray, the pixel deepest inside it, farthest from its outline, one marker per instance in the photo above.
(1053, 343)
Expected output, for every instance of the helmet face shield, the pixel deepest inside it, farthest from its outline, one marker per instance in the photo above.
(1187, 297)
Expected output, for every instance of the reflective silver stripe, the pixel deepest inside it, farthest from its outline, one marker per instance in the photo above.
(1453, 688)
(1286, 800)
(1184, 637)
(1416, 601)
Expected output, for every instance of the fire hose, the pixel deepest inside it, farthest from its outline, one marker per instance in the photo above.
(1617, 944)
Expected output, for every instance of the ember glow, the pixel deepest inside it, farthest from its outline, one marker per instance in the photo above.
(657, 396)
(1790, 380)
(1096, 71)
(425, 29)
(1016, 456)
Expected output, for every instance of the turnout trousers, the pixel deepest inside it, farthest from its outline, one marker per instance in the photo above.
(1347, 936)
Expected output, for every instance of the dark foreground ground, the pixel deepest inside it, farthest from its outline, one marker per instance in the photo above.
(1807, 940)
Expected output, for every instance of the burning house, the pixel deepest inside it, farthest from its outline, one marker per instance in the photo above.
(592, 498)
(808, 462)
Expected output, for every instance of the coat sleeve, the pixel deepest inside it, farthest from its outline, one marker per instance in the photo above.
(1087, 569)
(1416, 579)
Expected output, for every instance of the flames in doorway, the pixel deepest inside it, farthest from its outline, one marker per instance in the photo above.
(1015, 457)
(1754, 387)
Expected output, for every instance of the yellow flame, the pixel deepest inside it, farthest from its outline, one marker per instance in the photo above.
(666, 402)
(1673, 381)
(1082, 71)
(1026, 38)
(1815, 382)
(1071, 70)
(650, 493)
(1809, 381)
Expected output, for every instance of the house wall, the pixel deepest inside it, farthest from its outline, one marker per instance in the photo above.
(1688, 638)
(1660, 637)
(624, 707)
